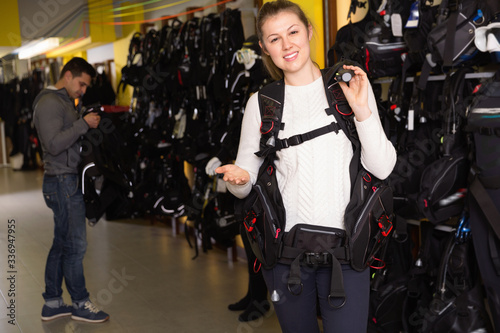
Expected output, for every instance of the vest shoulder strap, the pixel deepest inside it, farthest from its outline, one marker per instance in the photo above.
(271, 101)
(271, 98)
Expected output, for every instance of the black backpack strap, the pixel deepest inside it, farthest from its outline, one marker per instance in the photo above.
(338, 105)
(299, 138)
(271, 99)
(331, 256)
(340, 109)
(493, 247)
(487, 205)
(337, 281)
(449, 46)
(425, 73)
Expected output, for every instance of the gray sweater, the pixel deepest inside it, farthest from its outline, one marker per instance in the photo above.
(59, 128)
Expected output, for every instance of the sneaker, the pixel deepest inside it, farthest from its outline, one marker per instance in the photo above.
(255, 310)
(49, 313)
(89, 313)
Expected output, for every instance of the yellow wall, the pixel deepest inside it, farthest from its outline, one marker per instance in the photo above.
(9, 24)
(68, 57)
(134, 16)
(100, 13)
(343, 10)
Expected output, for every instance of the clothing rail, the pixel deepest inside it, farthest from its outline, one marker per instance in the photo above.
(441, 77)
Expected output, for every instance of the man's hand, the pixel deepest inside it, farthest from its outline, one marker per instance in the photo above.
(233, 174)
(92, 119)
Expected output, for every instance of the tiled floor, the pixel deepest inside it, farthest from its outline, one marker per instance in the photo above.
(140, 273)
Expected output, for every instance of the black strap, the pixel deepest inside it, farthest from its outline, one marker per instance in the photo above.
(404, 73)
(490, 182)
(449, 46)
(337, 292)
(294, 278)
(492, 244)
(401, 224)
(289, 252)
(487, 205)
(271, 99)
(481, 130)
(336, 98)
(424, 74)
(300, 138)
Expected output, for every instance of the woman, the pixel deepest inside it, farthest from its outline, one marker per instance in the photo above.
(313, 177)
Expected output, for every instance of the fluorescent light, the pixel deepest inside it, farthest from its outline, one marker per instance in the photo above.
(37, 47)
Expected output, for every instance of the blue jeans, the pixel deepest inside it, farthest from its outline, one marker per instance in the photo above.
(297, 313)
(63, 195)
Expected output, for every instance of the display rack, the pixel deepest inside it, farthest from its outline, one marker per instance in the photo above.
(441, 77)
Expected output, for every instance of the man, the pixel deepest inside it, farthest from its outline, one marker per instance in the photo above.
(60, 127)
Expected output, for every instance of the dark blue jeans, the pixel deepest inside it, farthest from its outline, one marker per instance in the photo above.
(63, 195)
(297, 313)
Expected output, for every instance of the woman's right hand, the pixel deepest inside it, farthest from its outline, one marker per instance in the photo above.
(233, 174)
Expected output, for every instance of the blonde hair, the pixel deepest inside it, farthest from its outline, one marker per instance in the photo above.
(270, 9)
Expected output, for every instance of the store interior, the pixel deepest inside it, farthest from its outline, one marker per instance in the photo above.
(165, 252)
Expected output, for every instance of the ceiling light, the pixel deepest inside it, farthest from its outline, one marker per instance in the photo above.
(37, 47)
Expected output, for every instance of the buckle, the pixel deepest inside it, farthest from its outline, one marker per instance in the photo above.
(454, 5)
(315, 258)
(292, 141)
(485, 131)
(253, 218)
(385, 225)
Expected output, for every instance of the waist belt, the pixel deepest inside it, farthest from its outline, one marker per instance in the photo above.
(314, 258)
(329, 258)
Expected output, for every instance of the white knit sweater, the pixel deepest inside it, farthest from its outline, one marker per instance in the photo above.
(313, 177)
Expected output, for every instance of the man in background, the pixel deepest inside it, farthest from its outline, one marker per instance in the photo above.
(59, 125)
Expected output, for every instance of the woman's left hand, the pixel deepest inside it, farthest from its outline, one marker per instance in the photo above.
(356, 93)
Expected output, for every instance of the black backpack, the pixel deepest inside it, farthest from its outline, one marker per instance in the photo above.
(484, 129)
(451, 40)
(368, 215)
(371, 41)
(457, 304)
(444, 181)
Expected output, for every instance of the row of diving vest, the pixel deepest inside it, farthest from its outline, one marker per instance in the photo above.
(441, 112)
(16, 98)
(405, 37)
(191, 81)
(181, 78)
(189, 89)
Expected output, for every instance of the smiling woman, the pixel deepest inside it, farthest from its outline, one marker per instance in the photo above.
(296, 23)
(285, 38)
(312, 195)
